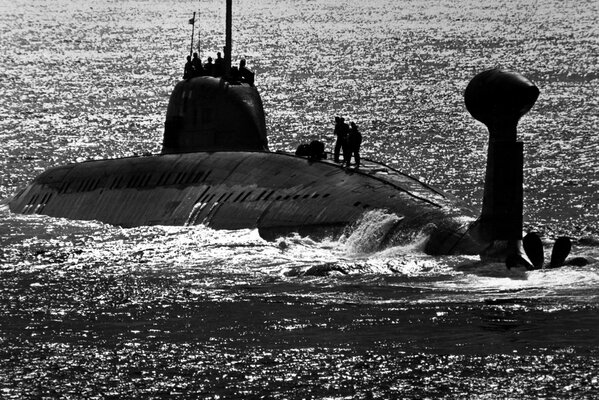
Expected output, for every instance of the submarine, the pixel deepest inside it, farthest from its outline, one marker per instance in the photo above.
(215, 169)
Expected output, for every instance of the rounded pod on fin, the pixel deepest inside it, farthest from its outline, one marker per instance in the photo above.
(560, 251)
(499, 98)
(533, 247)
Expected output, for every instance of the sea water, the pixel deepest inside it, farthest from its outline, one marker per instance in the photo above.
(90, 310)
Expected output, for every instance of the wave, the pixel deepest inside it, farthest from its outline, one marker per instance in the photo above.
(364, 252)
(377, 231)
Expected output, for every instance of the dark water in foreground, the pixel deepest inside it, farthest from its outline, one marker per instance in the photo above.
(94, 311)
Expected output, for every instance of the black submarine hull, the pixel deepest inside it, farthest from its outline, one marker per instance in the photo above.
(215, 169)
(276, 193)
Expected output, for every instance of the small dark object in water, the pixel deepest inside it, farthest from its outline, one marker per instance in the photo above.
(560, 251)
(577, 262)
(533, 247)
(588, 241)
(324, 270)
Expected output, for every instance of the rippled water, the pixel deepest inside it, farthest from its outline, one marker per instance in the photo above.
(95, 311)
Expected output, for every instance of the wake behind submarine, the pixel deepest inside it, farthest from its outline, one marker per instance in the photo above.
(215, 169)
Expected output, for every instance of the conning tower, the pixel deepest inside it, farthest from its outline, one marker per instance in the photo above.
(208, 113)
(214, 114)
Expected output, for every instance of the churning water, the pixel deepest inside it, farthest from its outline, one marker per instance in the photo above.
(96, 311)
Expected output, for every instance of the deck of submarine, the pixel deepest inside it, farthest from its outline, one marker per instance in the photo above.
(400, 180)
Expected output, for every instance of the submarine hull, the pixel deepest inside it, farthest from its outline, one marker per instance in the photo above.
(215, 169)
(274, 192)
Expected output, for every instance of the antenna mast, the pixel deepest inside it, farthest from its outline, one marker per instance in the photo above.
(193, 25)
(199, 35)
(228, 37)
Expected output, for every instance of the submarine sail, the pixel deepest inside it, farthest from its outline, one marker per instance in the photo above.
(214, 114)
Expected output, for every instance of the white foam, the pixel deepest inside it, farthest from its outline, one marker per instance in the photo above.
(370, 232)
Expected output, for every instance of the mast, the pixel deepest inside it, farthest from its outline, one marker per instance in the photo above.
(193, 25)
(199, 36)
(228, 37)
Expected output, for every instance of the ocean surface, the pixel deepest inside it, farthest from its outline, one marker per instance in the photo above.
(94, 311)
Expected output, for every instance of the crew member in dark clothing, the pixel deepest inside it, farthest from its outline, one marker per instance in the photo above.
(246, 74)
(341, 143)
(316, 150)
(188, 71)
(235, 75)
(354, 140)
(197, 65)
(345, 148)
(219, 65)
(209, 67)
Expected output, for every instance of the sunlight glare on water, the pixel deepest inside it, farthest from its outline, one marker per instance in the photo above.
(91, 310)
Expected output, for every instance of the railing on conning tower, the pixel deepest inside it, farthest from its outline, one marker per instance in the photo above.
(222, 67)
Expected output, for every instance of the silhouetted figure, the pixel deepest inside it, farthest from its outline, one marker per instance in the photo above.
(317, 150)
(235, 75)
(341, 131)
(219, 65)
(303, 150)
(188, 71)
(314, 151)
(197, 65)
(209, 67)
(345, 148)
(354, 140)
(246, 74)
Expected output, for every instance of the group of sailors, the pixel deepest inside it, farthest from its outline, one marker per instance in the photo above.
(194, 67)
(348, 137)
(348, 142)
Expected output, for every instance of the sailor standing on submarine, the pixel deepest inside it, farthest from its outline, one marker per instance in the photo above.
(341, 131)
(354, 139)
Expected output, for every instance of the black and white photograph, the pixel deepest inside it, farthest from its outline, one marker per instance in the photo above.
(299, 199)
